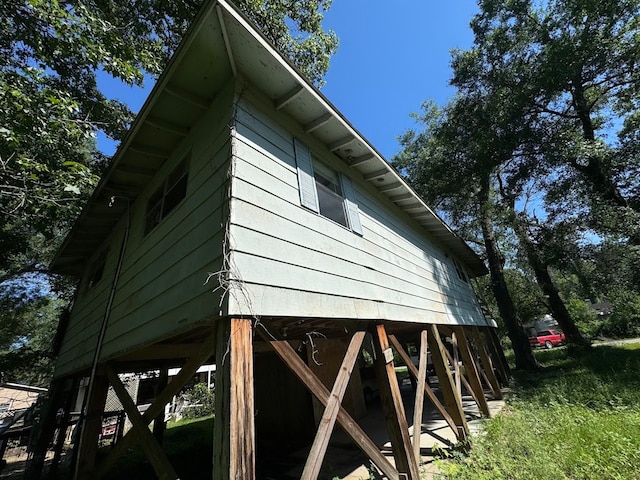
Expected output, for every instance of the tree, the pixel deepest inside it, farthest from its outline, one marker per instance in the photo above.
(452, 164)
(573, 65)
(51, 107)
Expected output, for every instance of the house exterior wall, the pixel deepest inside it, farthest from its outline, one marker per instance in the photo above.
(291, 261)
(161, 288)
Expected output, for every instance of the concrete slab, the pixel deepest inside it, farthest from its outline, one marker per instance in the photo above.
(346, 462)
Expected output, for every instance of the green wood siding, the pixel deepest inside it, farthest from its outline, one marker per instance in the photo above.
(294, 262)
(161, 289)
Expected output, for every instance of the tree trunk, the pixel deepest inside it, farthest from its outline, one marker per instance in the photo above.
(522, 349)
(594, 171)
(540, 269)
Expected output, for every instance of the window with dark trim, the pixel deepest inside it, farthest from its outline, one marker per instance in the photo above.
(325, 191)
(330, 197)
(167, 196)
(460, 271)
(96, 269)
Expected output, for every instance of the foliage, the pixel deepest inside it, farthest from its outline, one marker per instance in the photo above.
(585, 316)
(51, 110)
(28, 320)
(576, 420)
(624, 322)
(199, 402)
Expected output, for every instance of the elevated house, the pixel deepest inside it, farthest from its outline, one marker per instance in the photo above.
(245, 222)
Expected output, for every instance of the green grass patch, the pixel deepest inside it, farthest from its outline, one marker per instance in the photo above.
(186, 442)
(577, 419)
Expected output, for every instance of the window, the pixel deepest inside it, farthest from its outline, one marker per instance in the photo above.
(460, 271)
(96, 270)
(167, 196)
(330, 198)
(325, 191)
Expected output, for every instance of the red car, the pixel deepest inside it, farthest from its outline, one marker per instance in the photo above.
(547, 339)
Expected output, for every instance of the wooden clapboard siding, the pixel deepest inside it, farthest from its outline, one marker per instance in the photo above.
(295, 262)
(161, 288)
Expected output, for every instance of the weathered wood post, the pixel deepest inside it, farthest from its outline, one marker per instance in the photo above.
(90, 428)
(392, 403)
(234, 429)
(452, 400)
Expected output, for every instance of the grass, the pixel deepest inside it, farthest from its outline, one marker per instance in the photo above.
(577, 419)
(187, 443)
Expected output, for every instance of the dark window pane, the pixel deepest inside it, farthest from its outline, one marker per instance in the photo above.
(175, 195)
(331, 204)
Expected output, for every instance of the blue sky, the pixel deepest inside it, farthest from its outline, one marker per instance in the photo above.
(392, 57)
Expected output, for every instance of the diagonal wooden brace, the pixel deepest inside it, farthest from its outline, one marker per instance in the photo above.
(317, 388)
(327, 423)
(203, 352)
(393, 406)
(154, 452)
(427, 389)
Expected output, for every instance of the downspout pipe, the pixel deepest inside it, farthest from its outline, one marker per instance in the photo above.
(103, 329)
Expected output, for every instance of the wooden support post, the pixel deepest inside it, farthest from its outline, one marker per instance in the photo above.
(91, 428)
(234, 429)
(463, 380)
(452, 401)
(43, 432)
(427, 388)
(486, 363)
(471, 369)
(320, 443)
(419, 401)
(455, 361)
(63, 424)
(203, 352)
(393, 406)
(498, 354)
(159, 424)
(317, 388)
(152, 449)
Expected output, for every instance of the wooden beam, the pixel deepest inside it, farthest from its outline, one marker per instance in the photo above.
(202, 353)
(159, 461)
(452, 401)
(288, 97)
(315, 386)
(130, 170)
(455, 361)
(362, 159)
(159, 424)
(472, 370)
(189, 97)
(227, 43)
(463, 380)
(402, 196)
(233, 427)
(392, 404)
(160, 352)
(486, 363)
(419, 401)
(149, 150)
(343, 142)
(42, 436)
(91, 428)
(323, 435)
(427, 389)
(167, 126)
(317, 122)
(390, 187)
(496, 348)
(378, 173)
